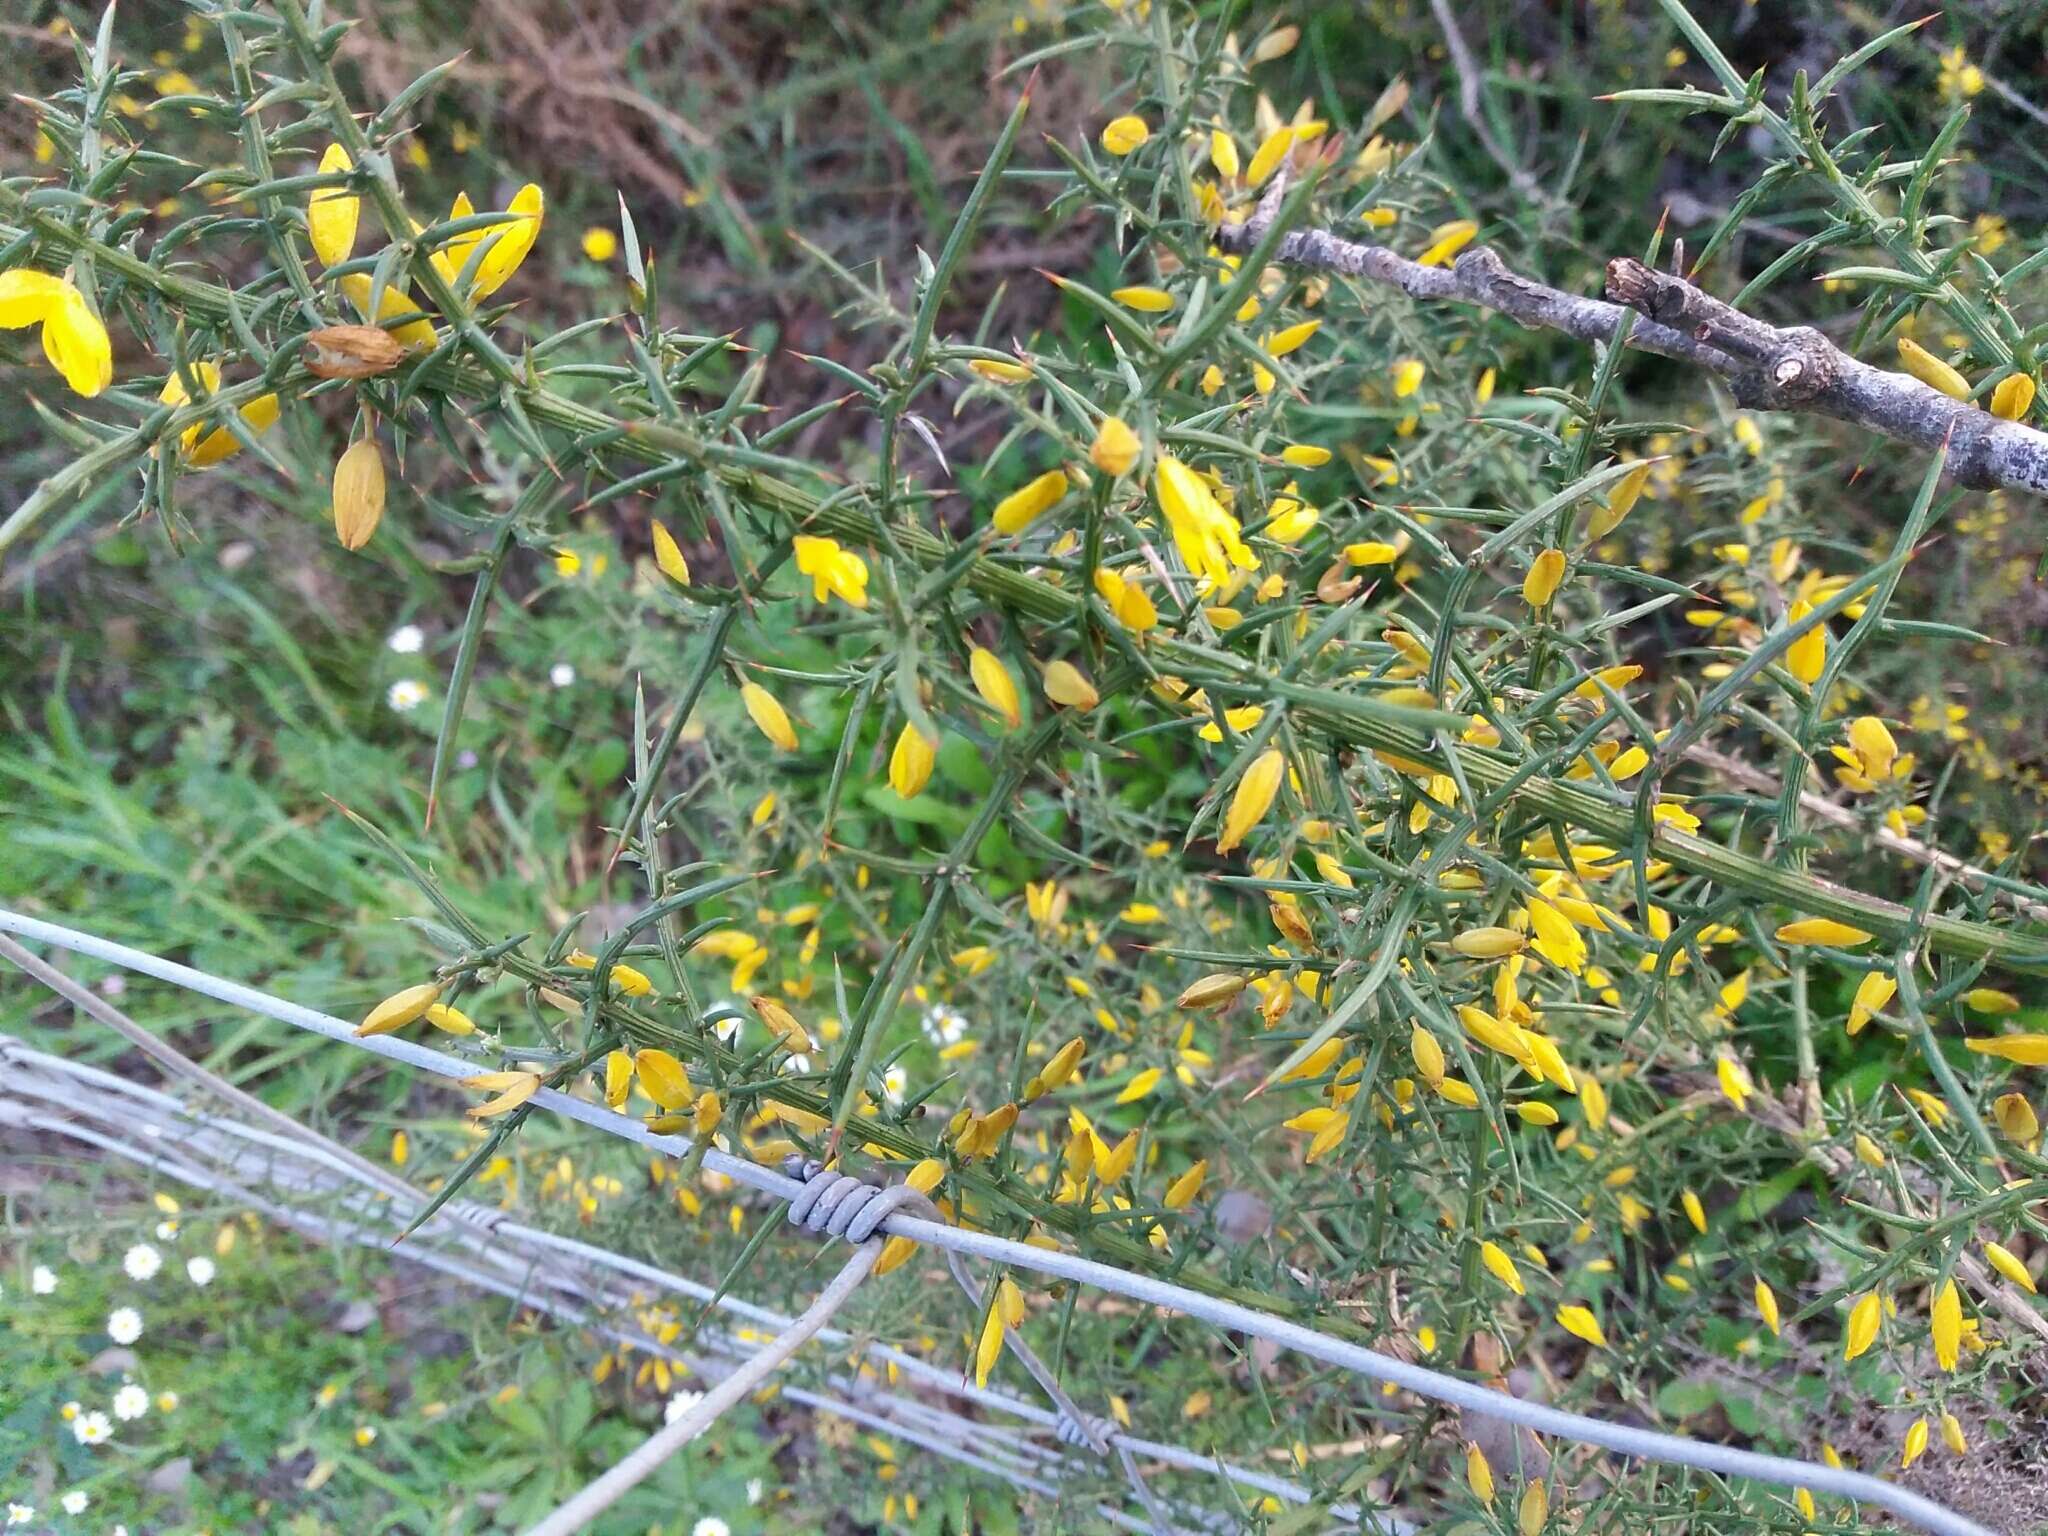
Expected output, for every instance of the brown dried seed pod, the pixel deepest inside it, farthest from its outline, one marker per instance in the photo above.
(351, 352)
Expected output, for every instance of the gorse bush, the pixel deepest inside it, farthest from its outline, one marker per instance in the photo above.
(1416, 823)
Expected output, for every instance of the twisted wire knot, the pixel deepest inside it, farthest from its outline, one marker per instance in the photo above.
(1082, 1432)
(840, 1205)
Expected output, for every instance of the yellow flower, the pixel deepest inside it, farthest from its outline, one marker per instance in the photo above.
(1305, 455)
(2008, 1264)
(1209, 539)
(834, 571)
(1066, 684)
(1488, 943)
(358, 501)
(1495, 1258)
(2016, 1118)
(993, 682)
(1148, 300)
(1270, 154)
(73, 337)
(1545, 573)
(1822, 930)
(1280, 343)
(1254, 797)
(514, 237)
(1931, 370)
(1807, 656)
(1127, 600)
(1186, 1187)
(2013, 397)
(1140, 1086)
(1620, 501)
(1767, 1306)
(1952, 1434)
(2026, 1050)
(664, 1079)
(1580, 1323)
(767, 713)
(1223, 153)
(1371, 552)
(1023, 507)
(1121, 135)
(1000, 372)
(910, 764)
(1874, 746)
(1990, 1000)
(599, 243)
(512, 1089)
(450, 1021)
(668, 555)
(1212, 379)
(175, 393)
(1916, 1444)
(1533, 1512)
(392, 302)
(1694, 1211)
(1947, 1327)
(1477, 1473)
(259, 415)
(1116, 447)
(1864, 1318)
(1408, 377)
(400, 1009)
(618, 1079)
(1446, 240)
(331, 212)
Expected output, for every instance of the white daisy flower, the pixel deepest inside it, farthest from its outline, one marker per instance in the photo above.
(125, 1325)
(561, 674)
(407, 639)
(75, 1501)
(754, 1490)
(200, 1270)
(43, 1280)
(406, 695)
(166, 1401)
(20, 1514)
(942, 1026)
(142, 1262)
(92, 1428)
(894, 1082)
(680, 1404)
(711, 1525)
(130, 1403)
(166, 1231)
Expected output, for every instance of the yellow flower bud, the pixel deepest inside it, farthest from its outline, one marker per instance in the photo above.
(1254, 796)
(1116, 447)
(910, 764)
(1066, 684)
(993, 682)
(1931, 370)
(767, 713)
(668, 555)
(400, 1009)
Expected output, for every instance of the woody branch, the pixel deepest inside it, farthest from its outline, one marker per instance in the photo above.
(1767, 367)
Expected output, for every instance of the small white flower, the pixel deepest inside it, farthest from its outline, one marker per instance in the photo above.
(942, 1026)
(407, 639)
(561, 674)
(130, 1403)
(125, 1326)
(797, 1062)
(894, 1081)
(754, 1490)
(142, 1262)
(43, 1280)
(92, 1428)
(75, 1501)
(20, 1514)
(406, 695)
(680, 1404)
(166, 1401)
(711, 1525)
(199, 1271)
(166, 1231)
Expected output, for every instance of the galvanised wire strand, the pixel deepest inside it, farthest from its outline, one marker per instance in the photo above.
(128, 1109)
(1626, 1440)
(124, 1105)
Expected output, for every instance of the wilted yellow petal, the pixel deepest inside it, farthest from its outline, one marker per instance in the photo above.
(358, 493)
(1931, 370)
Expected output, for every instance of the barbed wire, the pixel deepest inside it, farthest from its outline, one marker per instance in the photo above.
(1626, 1440)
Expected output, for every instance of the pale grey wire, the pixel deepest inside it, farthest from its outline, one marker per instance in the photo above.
(1627, 1440)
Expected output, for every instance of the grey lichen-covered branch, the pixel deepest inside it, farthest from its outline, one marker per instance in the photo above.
(1768, 368)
